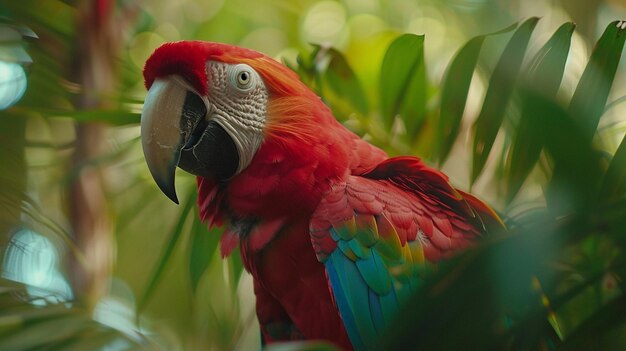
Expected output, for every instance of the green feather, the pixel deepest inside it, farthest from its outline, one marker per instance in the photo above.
(367, 233)
(375, 273)
(347, 229)
(402, 272)
(344, 246)
(389, 247)
(360, 250)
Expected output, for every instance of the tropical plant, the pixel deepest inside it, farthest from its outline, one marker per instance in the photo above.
(526, 288)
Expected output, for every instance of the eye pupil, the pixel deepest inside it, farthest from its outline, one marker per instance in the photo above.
(244, 77)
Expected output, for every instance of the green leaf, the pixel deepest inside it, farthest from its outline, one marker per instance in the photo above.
(547, 67)
(403, 83)
(529, 139)
(545, 75)
(454, 92)
(58, 326)
(592, 333)
(498, 94)
(54, 16)
(112, 117)
(614, 183)
(615, 103)
(495, 276)
(577, 169)
(169, 249)
(236, 265)
(202, 247)
(590, 97)
(344, 82)
(303, 69)
(586, 108)
(13, 176)
(46, 332)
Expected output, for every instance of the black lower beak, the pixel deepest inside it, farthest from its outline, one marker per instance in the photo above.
(210, 152)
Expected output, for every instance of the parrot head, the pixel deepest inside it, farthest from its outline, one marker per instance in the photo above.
(208, 109)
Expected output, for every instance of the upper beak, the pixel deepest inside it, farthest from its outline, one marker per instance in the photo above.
(171, 112)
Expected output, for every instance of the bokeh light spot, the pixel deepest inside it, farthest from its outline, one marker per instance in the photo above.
(364, 27)
(269, 41)
(33, 260)
(12, 83)
(324, 23)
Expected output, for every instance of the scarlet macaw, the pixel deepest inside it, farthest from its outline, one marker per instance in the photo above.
(331, 228)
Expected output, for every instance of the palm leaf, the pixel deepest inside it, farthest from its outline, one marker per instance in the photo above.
(499, 91)
(455, 88)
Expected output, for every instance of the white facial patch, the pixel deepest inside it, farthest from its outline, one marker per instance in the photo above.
(238, 101)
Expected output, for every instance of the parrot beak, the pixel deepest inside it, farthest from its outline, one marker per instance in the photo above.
(171, 115)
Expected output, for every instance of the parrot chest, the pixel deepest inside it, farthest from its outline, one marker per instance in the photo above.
(291, 287)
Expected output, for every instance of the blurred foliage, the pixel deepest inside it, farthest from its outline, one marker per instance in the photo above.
(31, 321)
(529, 117)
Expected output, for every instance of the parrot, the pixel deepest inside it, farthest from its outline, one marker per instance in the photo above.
(332, 229)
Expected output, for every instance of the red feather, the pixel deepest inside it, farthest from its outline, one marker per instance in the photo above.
(188, 59)
(293, 298)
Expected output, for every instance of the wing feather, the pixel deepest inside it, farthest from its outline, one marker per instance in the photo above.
(376, 232)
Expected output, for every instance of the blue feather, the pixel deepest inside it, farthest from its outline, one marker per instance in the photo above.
(344, 308)
(377, 311)
(389, 304)
(334, 235)
(368, 295)
(356, 292)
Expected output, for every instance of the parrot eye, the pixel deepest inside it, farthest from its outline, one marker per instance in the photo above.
(242, 77)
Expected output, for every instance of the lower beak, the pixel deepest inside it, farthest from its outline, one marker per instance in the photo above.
(172, 114)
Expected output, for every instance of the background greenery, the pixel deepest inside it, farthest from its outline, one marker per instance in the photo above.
(529, 117)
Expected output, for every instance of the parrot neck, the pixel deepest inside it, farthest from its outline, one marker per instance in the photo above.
(287, 178)
(305, 151)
